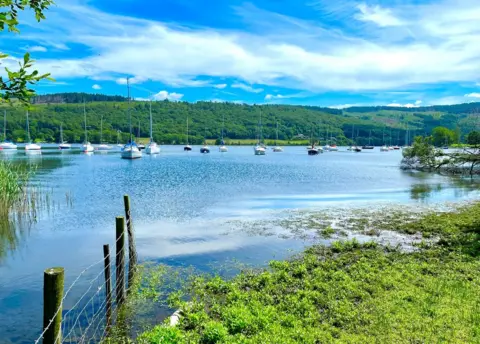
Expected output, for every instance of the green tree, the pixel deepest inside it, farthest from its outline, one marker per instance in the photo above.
(16, 84)
(473, 138)
(443, 136)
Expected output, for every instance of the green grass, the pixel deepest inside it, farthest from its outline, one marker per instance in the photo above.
(346, 293)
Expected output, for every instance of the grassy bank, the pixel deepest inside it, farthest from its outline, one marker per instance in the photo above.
(346, 293)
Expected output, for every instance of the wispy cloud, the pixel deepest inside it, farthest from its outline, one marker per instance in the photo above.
(473, 95)
(97, 87)
(381, 16)
(247, 88)
(36, 48)
(220, 86)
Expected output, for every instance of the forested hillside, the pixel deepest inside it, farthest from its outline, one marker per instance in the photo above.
(241, 121)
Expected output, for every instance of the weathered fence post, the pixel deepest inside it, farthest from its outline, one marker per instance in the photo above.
(108, 286)
(120, 260)
(132, 253)
(53, 281)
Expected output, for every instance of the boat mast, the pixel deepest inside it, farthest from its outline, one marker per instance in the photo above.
(128, 110)
(277, 135)
(261, 133)
(5, 125)
(151, 125)
(61, 134)
(187, 131)
(28, 130)
(101, 129)
(370, 138)
(223, 125)
(85, 118)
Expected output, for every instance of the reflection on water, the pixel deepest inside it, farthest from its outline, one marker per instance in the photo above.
(183, 204)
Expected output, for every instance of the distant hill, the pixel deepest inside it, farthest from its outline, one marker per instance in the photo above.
(377, 125)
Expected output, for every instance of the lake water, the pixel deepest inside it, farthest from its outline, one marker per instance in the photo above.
(182, 205)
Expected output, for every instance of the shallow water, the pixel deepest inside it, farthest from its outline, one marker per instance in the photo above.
(183, 204)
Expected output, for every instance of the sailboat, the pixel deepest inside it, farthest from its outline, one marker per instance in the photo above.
(63, 145)
(312, 150)
(130, 150)
(140, 146)
(354, 147)
(6, 145)
(333, 145)
(277, 148)
(103, 147)
(30, 146)
(259, 148)
(152, 147)
(384, 148)
(187, 147)
(327, 146)
(223, 148)
(205, 149)
(369, 146)
(87, 146)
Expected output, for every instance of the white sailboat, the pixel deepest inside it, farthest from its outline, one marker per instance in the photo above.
(327, 146)
(87, 146)
(223, 148)
(63, 145)
(102, 147)
(187, 147)
(130, 150)
(6, 145)
(152, 147)
(30, 146)
(260, 148)
(277, 148)
(384, 148)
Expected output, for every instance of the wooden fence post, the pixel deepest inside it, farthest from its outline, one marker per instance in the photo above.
(132, 252)
(108, 286)
(120, 260)
(53, 282)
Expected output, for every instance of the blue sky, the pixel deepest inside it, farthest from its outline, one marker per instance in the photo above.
(314, 52)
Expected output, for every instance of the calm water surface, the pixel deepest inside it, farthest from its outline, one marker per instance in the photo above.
(182, 204)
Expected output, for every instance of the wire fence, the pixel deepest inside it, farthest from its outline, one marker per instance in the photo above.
(96, 310)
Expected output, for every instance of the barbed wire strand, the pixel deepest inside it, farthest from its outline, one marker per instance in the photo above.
(64, 297)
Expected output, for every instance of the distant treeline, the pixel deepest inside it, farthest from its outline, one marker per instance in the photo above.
(377, 126)
(59, 98)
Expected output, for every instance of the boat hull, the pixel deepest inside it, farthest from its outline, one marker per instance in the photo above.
(152, 150)
(313, 151)
(7, 146)
(65, 146)
(32, 147)
(131, 154)
(204, 150)
(187, 148)
(88, 148)
(223, 149)
(277, 149)
(104, 148)
(259, 150)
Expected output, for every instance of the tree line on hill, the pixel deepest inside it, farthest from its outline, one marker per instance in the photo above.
(376, 127)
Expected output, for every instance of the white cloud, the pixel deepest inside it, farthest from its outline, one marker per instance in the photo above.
(37, 48)
(97, 87)
(383, 17)
(162, 95)
(247, 88)
(273, 96)
(418, 102)
(473, 95)
(220, 86)
(410, 45)
(132, 81)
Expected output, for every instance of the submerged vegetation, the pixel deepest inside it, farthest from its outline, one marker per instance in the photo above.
(346, 293)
